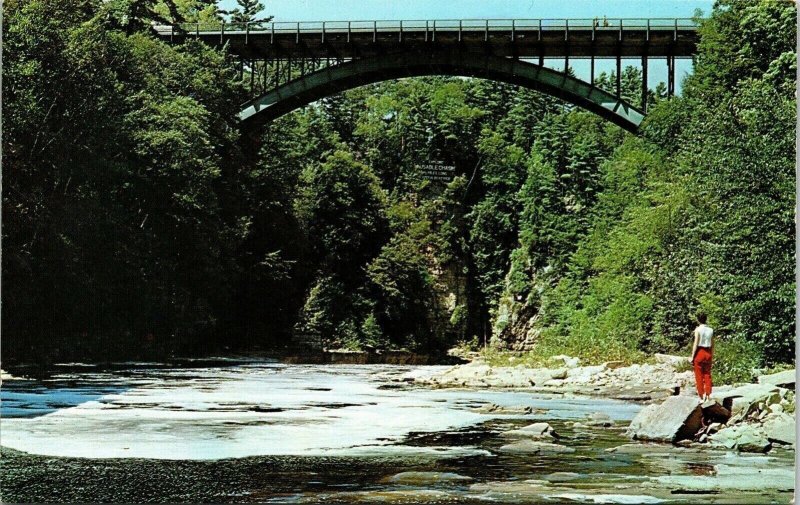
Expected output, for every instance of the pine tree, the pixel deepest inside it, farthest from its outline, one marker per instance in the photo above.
(246, 13)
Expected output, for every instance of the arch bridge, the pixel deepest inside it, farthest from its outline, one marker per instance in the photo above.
(291, 64)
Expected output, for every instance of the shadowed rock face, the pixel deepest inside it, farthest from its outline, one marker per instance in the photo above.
(713, 412)
(678, 418)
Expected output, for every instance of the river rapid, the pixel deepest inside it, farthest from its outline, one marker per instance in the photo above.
(265, 431)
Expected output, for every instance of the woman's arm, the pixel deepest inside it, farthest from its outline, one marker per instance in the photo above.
(694, 345)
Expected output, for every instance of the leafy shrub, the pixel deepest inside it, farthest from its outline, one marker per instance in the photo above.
(735, 360)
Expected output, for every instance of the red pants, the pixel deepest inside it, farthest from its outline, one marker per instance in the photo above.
(702, 371)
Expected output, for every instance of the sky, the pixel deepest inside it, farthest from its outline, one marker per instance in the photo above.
(342, 10)
(352, 10)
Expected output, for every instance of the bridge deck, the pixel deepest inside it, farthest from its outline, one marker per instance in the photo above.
(571, 38)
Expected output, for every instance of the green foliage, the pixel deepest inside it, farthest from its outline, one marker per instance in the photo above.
(698, 214)
(247, 13)
(343, 207)
(131, 205)
(735, 360)
(118, 144)
(401, 286)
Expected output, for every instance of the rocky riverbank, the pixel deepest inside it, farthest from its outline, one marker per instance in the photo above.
(749, 417)
(394, 441)
(640, 382)
(745, 417)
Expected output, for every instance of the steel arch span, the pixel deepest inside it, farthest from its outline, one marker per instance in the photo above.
(358, 72)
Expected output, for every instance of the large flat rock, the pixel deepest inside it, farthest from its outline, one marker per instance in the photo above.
(729, 477)
(535, 447)
(785, 379)
(481, 375)
(426, 478)
(744, 399)
(678, 418)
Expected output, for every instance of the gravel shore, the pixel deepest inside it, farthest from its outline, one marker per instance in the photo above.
(27, 478)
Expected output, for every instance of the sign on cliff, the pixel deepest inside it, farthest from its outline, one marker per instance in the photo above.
(437, 171)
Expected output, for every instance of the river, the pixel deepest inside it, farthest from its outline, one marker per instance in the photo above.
(260, 430)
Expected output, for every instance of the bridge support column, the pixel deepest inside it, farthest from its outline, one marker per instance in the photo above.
(644, 83)
(670, 75)
(252, 75)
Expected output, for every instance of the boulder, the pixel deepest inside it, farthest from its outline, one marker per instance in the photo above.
(753, 441)
(678, 418)
(562, 476)
(671, 360)
(785, 379)
(776, 408)
(781, 429)
(725, 437)
(533, 431)
(535, 447)
(745, 437)
(566, 361)
(643, 448)
(638, 397)
(599, 419)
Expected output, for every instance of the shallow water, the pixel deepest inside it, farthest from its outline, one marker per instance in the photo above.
(349, 433)
(251, 410)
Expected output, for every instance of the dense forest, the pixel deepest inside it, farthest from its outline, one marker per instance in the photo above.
(138, 221)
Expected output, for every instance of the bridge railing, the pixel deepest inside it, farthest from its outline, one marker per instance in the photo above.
(414, 25)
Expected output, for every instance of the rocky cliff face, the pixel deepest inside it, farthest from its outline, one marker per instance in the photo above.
(514, 327)
(514, 322)
(449, 316)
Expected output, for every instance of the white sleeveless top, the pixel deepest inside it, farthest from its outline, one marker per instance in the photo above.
(705, 333)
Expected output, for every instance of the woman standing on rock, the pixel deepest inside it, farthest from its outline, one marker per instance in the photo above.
(701, 356)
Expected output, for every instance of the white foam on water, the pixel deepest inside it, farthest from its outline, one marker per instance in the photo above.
(272, 409)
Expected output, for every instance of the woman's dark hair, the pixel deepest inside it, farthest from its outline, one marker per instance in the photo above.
(701, 317)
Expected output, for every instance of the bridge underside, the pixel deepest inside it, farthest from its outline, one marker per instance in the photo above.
(358, 72)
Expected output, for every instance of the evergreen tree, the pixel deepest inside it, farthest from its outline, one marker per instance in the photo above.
(247, 13)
